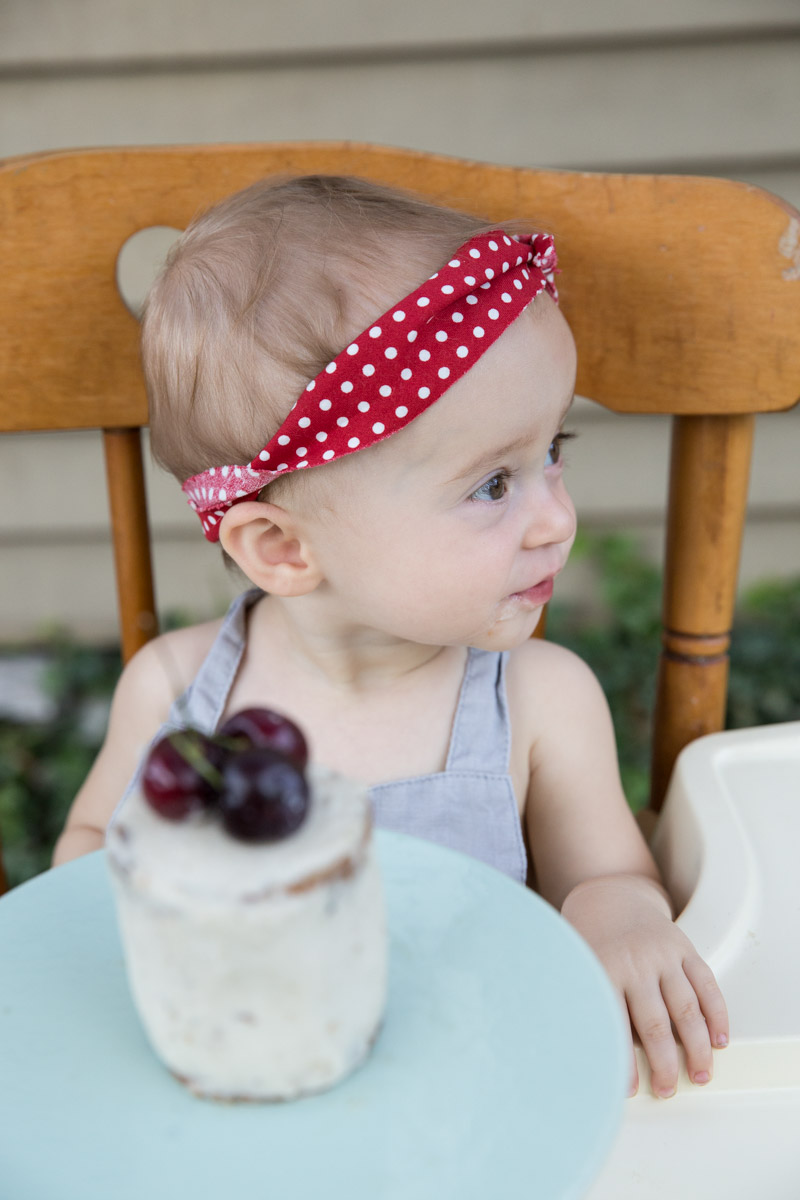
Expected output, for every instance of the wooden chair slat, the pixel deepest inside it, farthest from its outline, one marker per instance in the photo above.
(131, 538)
(709, 471)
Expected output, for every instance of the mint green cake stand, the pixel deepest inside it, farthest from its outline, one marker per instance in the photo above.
(500, 1071)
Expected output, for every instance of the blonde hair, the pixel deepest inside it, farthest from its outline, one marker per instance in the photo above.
(262, 291)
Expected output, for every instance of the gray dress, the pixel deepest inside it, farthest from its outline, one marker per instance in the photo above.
(470, 806)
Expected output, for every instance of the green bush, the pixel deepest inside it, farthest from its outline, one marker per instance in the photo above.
(765, 657)
(42, 766)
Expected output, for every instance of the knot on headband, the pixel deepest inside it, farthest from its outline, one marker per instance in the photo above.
(395, 369)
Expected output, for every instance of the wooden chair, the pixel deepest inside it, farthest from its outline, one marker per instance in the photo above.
(683, 294)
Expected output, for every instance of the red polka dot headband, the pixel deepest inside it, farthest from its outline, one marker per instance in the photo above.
(395, 369)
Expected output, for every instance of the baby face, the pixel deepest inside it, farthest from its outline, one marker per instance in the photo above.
(452, 531)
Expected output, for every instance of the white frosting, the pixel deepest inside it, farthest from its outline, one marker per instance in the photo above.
(259, 971)
(173, 860)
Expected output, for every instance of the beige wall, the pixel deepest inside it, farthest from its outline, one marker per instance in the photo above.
(696, 86)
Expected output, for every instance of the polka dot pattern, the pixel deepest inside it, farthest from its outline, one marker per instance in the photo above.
(366, 393)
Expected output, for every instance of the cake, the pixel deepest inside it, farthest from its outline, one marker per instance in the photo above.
(257, 962)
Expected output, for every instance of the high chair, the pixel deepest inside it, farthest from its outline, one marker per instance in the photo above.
(683, 295)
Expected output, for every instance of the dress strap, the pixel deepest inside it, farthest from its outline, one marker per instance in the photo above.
(481, 737)
(204, 700)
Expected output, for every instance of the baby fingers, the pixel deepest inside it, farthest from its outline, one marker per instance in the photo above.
(691, 1002)
(683, 1005)
(651, 1020)
(710, 999)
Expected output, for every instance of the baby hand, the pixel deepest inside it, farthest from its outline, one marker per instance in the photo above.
(661, 978)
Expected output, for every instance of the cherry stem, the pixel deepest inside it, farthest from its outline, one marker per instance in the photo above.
(194, 756)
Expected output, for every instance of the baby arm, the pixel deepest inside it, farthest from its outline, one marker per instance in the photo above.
(593, 864)
(141, 702)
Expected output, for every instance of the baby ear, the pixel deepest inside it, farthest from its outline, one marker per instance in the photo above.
(267, 543)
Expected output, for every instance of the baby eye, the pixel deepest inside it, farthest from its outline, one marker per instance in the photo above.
(494, 488)
(554, 451)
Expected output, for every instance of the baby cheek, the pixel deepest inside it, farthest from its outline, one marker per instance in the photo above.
(572, 517)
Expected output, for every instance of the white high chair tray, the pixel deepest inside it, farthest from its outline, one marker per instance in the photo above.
(728, 842)
(500, 1070)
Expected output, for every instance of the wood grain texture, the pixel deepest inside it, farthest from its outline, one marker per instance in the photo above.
(709, 469)
(131, 538)
(659, 273)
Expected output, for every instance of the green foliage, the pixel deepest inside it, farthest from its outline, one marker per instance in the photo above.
(764, 682)
(42, 766)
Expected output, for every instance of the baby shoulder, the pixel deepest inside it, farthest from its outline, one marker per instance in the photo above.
(548, 686)
(538, 663)
(159, 672)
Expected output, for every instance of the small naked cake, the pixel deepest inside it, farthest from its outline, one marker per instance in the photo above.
(251, 912)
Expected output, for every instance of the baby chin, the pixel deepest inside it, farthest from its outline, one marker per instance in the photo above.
(513, 624)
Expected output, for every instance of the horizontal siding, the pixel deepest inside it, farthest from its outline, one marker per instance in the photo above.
(584, 109)
(619, 464)
(70, 585)
(51, 31)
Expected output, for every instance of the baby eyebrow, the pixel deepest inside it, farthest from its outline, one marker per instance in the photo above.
(494, 456)
(490, 458)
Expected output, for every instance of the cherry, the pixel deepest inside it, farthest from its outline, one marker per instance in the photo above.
(264, 795)
(250, 773)
(182, 774)
(264, 728)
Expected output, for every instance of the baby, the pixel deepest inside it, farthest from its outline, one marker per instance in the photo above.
(407, 371)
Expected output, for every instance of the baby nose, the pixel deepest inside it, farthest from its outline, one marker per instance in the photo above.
(552, 520)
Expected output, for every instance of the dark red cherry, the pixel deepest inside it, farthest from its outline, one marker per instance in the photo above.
(262, 727)
(182, 774)
(264, 795)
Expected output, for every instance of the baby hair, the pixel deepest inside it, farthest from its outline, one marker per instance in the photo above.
(266, 288)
